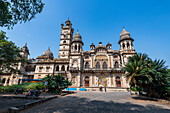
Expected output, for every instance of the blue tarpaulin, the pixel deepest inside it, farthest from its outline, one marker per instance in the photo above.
(82, 89)
(71, 89)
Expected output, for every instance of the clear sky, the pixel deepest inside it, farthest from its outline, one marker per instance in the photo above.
(148, 22)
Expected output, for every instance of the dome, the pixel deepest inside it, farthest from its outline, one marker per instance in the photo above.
(77, 35)
(100, 46)
(48, 53)
(125, 35)
(124, 32)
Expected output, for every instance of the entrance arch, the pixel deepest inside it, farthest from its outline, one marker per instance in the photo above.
(86, 81)
(118, 82)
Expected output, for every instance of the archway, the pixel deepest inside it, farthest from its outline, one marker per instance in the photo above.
(118, 82)
(86, 81)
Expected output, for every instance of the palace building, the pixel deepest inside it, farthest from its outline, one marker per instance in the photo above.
(100, 66)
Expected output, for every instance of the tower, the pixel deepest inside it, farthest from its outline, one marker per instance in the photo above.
(24, 51)
(65, 40)
(126, 42)
(126, 46)
(76, 51)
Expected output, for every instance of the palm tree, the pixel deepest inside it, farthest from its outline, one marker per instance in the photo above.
(159, 85)
(135, 70)
(150, 75)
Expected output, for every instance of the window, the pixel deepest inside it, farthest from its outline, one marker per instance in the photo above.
(79, 48)
(40, 69)
(57, 68)
(98, 65)
(3, 80)
(86, 80)
(87, 65)
(104, 65)
(63, 68)
(8, 80)
(75, 48)
(86, 57)
(116, 65)
(47, 69)
(64, 41)
(123, 46)
(115, 56)
(128, 46)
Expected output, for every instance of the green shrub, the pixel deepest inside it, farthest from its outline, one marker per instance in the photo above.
(25, 86)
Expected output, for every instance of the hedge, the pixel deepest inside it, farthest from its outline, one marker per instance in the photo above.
(25, 86)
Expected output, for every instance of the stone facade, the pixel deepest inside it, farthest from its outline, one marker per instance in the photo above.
(101, 66)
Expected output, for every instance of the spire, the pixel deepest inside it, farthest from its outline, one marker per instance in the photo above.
(68, 20)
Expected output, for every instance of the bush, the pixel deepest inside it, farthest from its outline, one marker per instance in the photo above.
(56, 83)
(25, 86)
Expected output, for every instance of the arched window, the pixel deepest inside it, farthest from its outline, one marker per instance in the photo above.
(118, 82)
(64, 41)
(104, 65)
(57, 68)
(79, 48)
(128, 46)
(116, 65)
(3, 80)
(123, 46)
(98, 65)
(86, 80)
(8, 80)
(75, 48)
(87, 65)
(63, 68)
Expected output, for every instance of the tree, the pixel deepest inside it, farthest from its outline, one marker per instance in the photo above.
(150, 75)
(56, 83)
(135, 69)
(10, 55)
(158, 71)
(14, 11)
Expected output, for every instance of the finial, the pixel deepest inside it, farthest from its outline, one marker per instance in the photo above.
(77, 30)
(49, 48)
(123, 28)
(100, 42)
(62, 24)
(26, 44)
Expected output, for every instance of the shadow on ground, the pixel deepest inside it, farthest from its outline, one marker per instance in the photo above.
(74, 104)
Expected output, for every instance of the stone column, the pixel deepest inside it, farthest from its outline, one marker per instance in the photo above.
(125, 45)
(65, 67)
(81, 80)
(78, 79)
